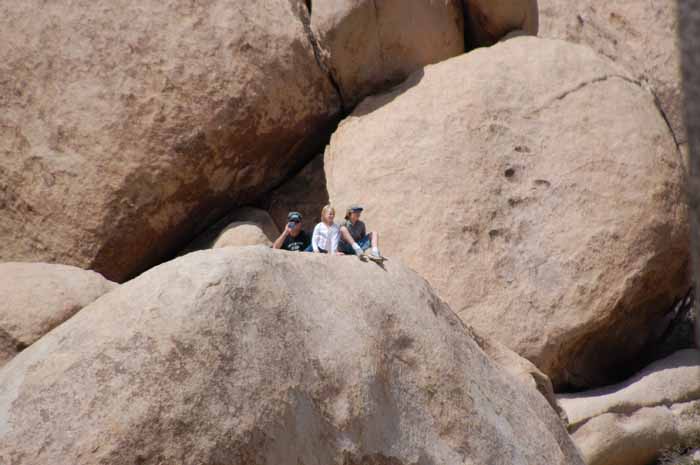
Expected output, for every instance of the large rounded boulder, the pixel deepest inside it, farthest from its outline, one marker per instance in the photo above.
(37, 297)
(368, 45)
(641, 36)
(125, 129)
(235, 355)
(538, 188)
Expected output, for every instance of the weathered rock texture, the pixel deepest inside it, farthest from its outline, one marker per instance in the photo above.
(641, 36)
(630, 423)
(537, 188)
(490, 20)
(36, 297)
(218, 357)
(242, 226)
(368, 45)
(125, 127)
(518, 367)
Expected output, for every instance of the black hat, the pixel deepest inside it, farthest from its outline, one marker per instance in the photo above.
(355, 208)
(294, 216)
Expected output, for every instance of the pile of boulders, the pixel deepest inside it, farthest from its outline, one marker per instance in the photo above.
(534, 186)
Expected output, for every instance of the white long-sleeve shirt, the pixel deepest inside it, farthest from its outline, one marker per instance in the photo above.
(325, 237)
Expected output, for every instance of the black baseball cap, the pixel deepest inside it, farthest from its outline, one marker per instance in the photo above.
(355, 208)
(294, 216)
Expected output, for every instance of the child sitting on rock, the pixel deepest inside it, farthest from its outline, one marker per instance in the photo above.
(354, 236)
(326, 234)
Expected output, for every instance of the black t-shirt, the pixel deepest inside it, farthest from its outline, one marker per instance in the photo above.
(296, 244)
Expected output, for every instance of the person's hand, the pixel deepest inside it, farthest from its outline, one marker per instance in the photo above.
(339, 253)
(287, 230)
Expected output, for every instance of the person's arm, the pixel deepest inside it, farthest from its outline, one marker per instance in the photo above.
(314, 238)
(280, 240)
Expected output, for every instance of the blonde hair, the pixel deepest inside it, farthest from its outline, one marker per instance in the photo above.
(326, 210)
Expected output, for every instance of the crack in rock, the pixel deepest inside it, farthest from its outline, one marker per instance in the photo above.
(305, 17)
(565, 93)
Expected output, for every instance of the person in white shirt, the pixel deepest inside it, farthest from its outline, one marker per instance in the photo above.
(326, 233)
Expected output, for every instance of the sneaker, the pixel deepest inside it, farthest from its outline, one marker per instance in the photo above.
(358, 251)
(375, 255)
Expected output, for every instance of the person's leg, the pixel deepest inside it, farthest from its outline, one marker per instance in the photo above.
(365, 243)
(347, 238)
(375, 239)
(345, 248)
(375, 245)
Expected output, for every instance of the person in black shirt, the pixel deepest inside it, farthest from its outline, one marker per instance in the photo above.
(293, 238)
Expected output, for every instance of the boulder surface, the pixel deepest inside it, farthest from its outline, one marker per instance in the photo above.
(219, 357)
(632, 422)
(519, 368)
(368, 45)
(125, 127)
(641, 36)
(36, 297)
(537, 188)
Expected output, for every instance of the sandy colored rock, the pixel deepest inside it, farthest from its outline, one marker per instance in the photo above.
(126, 127)
(491, 20)
(519, 368)
(220, 358)
(641, 36)
(369, 45)
(37, 297)
(674, 379)
(537, 189)
(240, 227)
(639, 437)
(632, 422)
(242, 234)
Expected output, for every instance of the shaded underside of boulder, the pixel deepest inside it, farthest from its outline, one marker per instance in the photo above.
(305, 193)
(538, 188)
(368, 45)
(633, 422)
(126, 127)
(488, 21)
(36, 297)
(641, 36)
(219, 357)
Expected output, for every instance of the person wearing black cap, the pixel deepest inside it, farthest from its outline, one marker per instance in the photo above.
(354, 237)
(293, 238)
